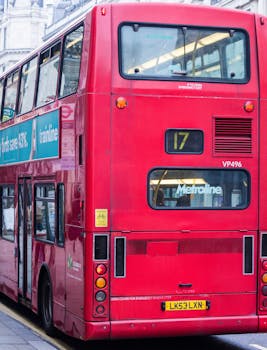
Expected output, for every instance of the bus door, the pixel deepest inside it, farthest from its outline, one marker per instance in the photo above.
(25, 237)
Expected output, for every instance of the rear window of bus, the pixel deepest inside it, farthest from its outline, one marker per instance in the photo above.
(198, 189)
(161, 52)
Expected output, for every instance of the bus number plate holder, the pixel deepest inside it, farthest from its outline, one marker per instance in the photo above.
(185, 305)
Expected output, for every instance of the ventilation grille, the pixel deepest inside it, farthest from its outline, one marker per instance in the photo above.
(233, 135)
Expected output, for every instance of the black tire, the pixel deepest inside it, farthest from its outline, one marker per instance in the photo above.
(46, 306)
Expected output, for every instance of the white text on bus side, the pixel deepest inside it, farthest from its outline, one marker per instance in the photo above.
(232, 164)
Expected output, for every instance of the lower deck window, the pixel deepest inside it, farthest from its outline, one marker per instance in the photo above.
(45, 212)
(8, 212)
(198, 189)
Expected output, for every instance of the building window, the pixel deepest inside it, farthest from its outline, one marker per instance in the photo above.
(4, 38)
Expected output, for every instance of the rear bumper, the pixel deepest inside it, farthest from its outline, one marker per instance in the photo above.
(174, 327)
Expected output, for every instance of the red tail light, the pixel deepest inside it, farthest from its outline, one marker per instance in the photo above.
(101, 290)
(263, 277)
(101, 276)
(101, 269)
(264, 265)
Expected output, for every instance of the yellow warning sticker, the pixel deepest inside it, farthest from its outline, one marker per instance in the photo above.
(101, 217)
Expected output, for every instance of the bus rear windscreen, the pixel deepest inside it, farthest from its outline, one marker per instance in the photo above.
(198, 189)
(183, 53)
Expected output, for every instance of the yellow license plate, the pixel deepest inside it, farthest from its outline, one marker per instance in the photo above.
(185, 305)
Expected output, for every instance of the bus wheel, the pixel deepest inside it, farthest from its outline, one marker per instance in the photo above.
(46, 306)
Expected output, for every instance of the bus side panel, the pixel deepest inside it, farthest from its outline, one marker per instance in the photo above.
(261, 28)
(184, 327)
(212, 262)
(74, 271)
(135, 152)
(8, 263)
(181, 268)
(261, 25)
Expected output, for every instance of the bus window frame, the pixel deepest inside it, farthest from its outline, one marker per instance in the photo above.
(8, 196)
(18, 113)
(47, 200)
(61, 42)
(60, 214)
(59, 96)
(5, 87)
(184, 78)
(51, 58)
(2, 80)
(150, 195)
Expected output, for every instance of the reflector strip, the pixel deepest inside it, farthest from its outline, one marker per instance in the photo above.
(120, 249)
(248, 255)
(100, 247)
(264, 245)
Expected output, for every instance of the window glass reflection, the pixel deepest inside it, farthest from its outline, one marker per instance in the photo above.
(198, 188)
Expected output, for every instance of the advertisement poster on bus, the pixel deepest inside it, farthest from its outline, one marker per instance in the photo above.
(37, 138)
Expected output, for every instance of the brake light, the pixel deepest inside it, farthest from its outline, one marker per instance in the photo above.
(263, 275)
(101, 269)
(101, 276)
(264, 265)
(101, 290)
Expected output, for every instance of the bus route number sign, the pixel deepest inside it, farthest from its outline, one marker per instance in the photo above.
(189, 141)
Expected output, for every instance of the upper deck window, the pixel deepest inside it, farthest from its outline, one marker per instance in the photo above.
(158, 52)
(198, 189)
(10, 97)
(27, 86)
(1, 90)
(48, 75)
(72, 52)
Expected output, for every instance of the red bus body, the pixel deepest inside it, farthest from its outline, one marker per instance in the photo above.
(105, 156)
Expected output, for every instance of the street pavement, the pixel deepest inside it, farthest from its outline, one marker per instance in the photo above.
(14, 335)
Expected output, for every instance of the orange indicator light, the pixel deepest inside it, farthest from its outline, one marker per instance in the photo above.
(121, 102)
(100, 282)
(264, 278)
(249, 106)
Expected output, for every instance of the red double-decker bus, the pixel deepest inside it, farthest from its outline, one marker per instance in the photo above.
(132, 174)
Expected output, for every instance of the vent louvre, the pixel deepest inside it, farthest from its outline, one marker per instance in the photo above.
(233, 135)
